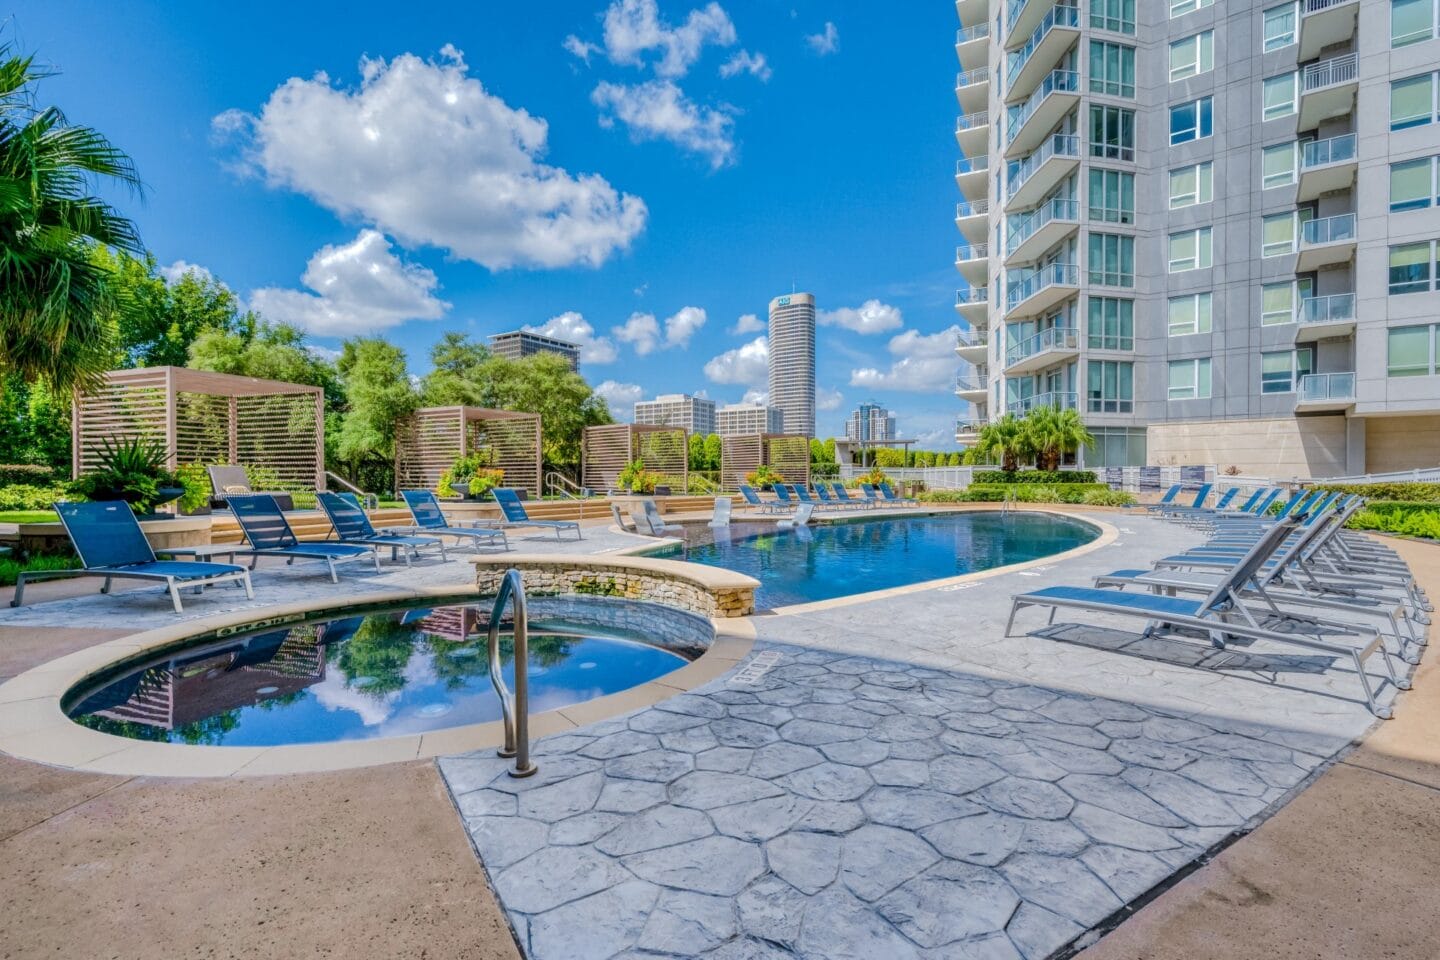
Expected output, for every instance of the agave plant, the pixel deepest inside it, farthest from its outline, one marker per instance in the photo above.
(132, 470)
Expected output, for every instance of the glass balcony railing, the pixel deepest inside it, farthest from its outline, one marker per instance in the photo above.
(1056, 338)
(972, 121)
(978, 32)
(1318, 153)
(1336, 308)
(971, 251)
(972, 164)
(1318, 387)
(965, 426)
(971, 78)
(972, 296)
(1060, 15)
(1019, 171)
(1328, 73)
(972, 382)
(1060, 400)
(1319, 6)
(976, 339)
(1056, 81)
(1337, 229)
(1062, 274)
(971, 208)
(1023, 227)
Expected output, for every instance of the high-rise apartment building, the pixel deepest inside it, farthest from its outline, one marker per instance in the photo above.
(695, 414)
(1210, 226)
(792, 361)
(523, 343)
(870, 423)
(749, 418)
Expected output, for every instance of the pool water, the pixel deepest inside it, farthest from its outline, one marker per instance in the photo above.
(382, 674)
(856, 556)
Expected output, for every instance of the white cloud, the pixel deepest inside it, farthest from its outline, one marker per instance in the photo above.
(573, 326)
(660, 110)
(756, 395)
(827, 399)
(621, 398)
(748, 364)
(359, 287)
(748, 323)
(924, 364)
(180, 268)
(634, 27)
(641, 331)
(424, 153)
(747, 62)
(872, 316)
(683, 325)
(580, 48)
(826, 42)
(324, 353)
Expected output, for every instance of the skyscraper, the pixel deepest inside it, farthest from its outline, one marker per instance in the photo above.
(1171, 211)
(523, 343)
(870, 423)
(749, 418)
(792, 361)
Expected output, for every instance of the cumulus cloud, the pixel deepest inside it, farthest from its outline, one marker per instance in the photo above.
(621, 398)
(580, 48)
(827, 399)
(872, 316)
(748, 323)
(356, 288)
(683, 325)
(825, 42)
(747, 62)
(923, 364)
(573, 326)
(641, 331)
(756, 395)
(660, 110)
(748, 364)
(634, 28)
(177, 270)
(423, 152)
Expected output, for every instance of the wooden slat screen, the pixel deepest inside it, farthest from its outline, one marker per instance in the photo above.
(786, 454)
(430, 441)
(604, 452)
(789, 456)
(740, 454)
(514, 446)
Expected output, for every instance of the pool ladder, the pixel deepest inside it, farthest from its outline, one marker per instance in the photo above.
(515, 709)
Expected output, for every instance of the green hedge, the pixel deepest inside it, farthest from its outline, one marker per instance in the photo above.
(1407, 518)
(1090, 494)
(26, 473)
(1403, 492)
(23, 496)
(10, 568)
(1050, 477)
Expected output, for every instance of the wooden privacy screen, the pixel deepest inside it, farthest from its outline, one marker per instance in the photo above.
(429, 441)
(207, 418)
(742, 454)
(605, 450)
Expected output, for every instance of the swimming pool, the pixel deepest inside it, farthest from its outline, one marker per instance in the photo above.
(859, 555)
(382, 673)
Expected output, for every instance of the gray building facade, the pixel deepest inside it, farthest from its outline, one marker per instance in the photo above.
(695, 414)
(523, 343)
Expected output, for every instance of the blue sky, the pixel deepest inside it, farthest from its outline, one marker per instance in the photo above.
(641, 175)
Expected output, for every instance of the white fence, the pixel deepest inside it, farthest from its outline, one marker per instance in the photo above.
(934, 478)
(1428, 475)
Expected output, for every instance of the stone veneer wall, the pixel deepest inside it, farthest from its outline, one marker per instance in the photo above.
(597, 578)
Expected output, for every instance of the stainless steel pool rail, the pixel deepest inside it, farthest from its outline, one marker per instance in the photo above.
(515, 709)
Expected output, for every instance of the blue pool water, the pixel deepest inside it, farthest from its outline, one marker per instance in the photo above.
(839, 559)
(382, 674)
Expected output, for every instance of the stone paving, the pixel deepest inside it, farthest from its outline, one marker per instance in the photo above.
(905, 782)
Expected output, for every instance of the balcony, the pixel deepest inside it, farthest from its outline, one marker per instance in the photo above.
(971, 218)
(1042, 350)
(972, 45)
(973, 347)
(972, 132)
(1326, 166)
(973, 303)
(973, 386)
(1326, 391)
(1051, 284)
(1031, 179)
(1021, 19)
(1056, 33)
(1029, 235)
(1327, 90)
(1058, 399)
(1026, 128)
(972, 89)
(1322, 317)
(1327, 241)
(973, 262)
(968, 430)
(1324, 23)
(972, 176)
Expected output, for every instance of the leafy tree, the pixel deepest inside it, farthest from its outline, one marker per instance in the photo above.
(271, 351)
(377, 394)
(713, 449)
(1005, 439)
(696, 452)
(34, 424)
(890, 457)
(457, 373)
(1051, 433)
(55, 301)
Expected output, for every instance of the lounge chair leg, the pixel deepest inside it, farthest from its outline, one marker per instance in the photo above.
(334, 576)
(19, 597)
(174, 589)
(376, 555)
(105, 587)
(1009, 624)
(249, 589)
(1050, 620)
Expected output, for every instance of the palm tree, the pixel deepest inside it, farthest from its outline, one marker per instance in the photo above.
(54, 298)
(1005, 439)
(1053, 433)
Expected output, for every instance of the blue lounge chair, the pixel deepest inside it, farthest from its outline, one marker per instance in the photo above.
(755, 500)
(515, 515)
(353, 526)
(843, 496)
(110, 544)
(891, 496)
(802, 496)
(872, 499)
(782, 496)
(269, 535)
(1166, 500)
(430, 520)
(826, 500)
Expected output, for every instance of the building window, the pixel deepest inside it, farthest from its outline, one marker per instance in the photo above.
(1178, 8)
(1189, 379)
(1189, 314)
(1278, 301)
(1280, 372)
(1279, 26)
(1110, 324)
(1117, 16)
(1277, 165)
(1411, 352)
(1191, 121)
(1110, 386)
(1411, 21)
(1412, 101)
(1412, 184)
(1190, 250)
(1112, 133)
(1112, 69)
(1191, 185)
(1192, 55)
(1277, 234)
(1278, 96)
(1116, 447)
(1112, 260)
(1112, 196)
(1412, 267)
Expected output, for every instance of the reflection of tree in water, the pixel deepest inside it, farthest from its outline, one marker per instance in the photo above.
(208, 732)
(546, 650)
(380, 648)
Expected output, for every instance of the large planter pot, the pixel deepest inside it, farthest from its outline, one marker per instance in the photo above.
(461, 488)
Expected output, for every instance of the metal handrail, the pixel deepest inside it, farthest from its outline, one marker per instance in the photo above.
(1334, 229)
(973, 381)
(978, 164)
(978, 32)
(1328, 386)
(1317, 153)
(1054, 338)
(1018, 172)
(1060, 15)
(972, 121)
(1318, 6)
(970, 78)
(370, 500)
(515, 710)
(1021, 228)
(1056, 81)
(1330, 72)
(1336, 308)
(971, 251)
(559, 483)
(972, 295)
(972, 208)
(1067, 274)
(1060, 400)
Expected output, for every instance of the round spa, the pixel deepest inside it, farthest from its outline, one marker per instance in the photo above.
(381, 672)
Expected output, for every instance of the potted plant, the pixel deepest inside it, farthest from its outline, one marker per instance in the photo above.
(131, 470)
(763, 478)
(471, 477)
(636, 479)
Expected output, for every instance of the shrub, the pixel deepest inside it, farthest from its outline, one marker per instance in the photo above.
(637, 479)
(1409, 492)
(1410, 519)
(23, 496)
(1075, 493)
(763, 476)
(1034, 476)
(1109, 498)
(30, 474)
(10, 568)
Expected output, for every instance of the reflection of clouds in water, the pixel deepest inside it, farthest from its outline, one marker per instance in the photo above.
(332, 694)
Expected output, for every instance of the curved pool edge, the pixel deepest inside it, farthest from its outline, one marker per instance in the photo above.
(34, 727)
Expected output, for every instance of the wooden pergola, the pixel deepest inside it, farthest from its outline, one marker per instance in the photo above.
(605, 451)
(430, 440)
(207, 419)
(788, 454)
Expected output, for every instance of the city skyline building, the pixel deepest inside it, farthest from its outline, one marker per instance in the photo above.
(791, 341)
(748, 419)
(695, 414)
(1171, 211)
(870, 423)
(523, 343)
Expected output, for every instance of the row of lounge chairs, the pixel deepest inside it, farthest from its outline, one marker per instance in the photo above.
(789, 496)
(1295, 577)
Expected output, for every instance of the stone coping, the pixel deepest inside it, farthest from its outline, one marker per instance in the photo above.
(34, 727)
